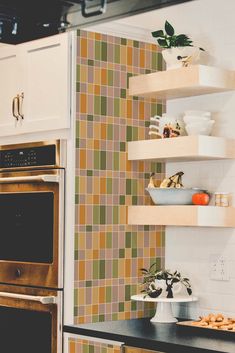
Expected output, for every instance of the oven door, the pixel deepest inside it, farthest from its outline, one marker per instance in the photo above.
(31, 228)
(30, 320)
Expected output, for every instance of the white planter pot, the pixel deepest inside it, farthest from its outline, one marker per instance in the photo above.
(171, 56)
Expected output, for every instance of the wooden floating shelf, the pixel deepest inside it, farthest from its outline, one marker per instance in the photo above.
(185, 148)
(192, 216)
(189, 81)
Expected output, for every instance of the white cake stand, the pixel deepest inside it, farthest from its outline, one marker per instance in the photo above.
(164, 309)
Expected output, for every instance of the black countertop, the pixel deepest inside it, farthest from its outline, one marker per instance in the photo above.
(169, 338)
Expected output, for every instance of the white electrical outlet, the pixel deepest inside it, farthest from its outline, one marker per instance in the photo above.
(219, 269)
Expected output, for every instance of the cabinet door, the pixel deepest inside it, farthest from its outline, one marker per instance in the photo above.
(46, 84)
(8, 88)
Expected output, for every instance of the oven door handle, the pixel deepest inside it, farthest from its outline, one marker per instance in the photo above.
(43, 300)
(47, 178)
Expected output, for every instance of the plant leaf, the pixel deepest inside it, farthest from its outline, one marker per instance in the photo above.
(157, 34)
(189, 290)
(169, 29)
(162, 43)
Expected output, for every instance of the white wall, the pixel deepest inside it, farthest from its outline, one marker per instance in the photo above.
(211, 24)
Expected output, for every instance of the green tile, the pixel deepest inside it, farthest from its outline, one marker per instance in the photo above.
(122, 147)
(88, 284)
(134, 200)
(114, 317)
(110, 132)
(89, 172)
(123, 93)
(134, 133)
(103, 105)
(115, 214)
(121, 253)
(133, 305)
(76, 255)
(115, 268)
(85, 349)
(117, 54)
(109, 240)
(128, 186)
(76, 199)
(153, 109)
(116, 108)
(120, 307)
(101, 318)
(159, 61)
(89, 228)
(109, 186)
(146, 228)
(78, 33)
(103, 160)
(108, 294)
(97, 159)
(135, 98)
(90, 62)
(77, 86)
(75, 296)
(91, 348)
(97, 105)
(116, 160)
(90, 117)
(102, 215)
(122, 200)
(129, 74)
(102, 269)
(76, 241)
(75, 311)
(77, 142)
(103, 51)
(95, 269)
(129, 133)
(95, 318)
(159, 109)
(123, 41)
(128, 240)
(76, 185)
(127, 292)
(147, 175)
(155, 167)
(96, 214)
(147, 71)
(154, 61)
(110, 77)
(77, 128)
(134, 187)
(97, 50)
(136, 44)
(134, 240)
(134, 252)
(159, 167)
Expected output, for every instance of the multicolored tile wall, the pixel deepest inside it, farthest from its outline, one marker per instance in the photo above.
(83, 346)
(109, 252)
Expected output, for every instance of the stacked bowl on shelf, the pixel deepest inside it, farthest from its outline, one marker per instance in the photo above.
(198, 122)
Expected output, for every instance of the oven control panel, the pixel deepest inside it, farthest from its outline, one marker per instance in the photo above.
(28, 157)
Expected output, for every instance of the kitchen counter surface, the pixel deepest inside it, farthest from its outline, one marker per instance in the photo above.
(169, 338)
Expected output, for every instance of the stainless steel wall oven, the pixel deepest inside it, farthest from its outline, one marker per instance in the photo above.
(31, 246)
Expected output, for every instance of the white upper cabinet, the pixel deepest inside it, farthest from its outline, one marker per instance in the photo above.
(36, 86)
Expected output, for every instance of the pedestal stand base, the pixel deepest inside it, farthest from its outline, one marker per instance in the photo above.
(164, 313)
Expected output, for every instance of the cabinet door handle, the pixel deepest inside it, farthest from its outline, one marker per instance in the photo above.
(20, 105)
(100, 11)
(15, 104)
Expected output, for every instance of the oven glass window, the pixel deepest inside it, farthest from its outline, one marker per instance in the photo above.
(26, 221)
(25, 331)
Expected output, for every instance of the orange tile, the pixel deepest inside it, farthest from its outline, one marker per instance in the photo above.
(96, 199)
(71, 347)
(104, 77)
(129, 109)
(83, 103)
(103, 189)
(82, 156)
(129, 56)
(82, 214)
(82, 270)
(141, 110)
(102, 295)
(103, 131)
(95, 309)
(97, 36)
(142, 58)
(97, 90)
(96, 144)
(102, 240)
(83, 48)
(127, 268)
(95, 254)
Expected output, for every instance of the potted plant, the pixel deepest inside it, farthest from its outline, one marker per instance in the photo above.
(163, 282)
(178, 49)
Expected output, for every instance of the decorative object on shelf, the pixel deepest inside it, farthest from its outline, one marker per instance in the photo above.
(201, 199)
(222, 199)
(178, 50)
(174, 181)
(166, 126)
(162, 282)
(198, 122)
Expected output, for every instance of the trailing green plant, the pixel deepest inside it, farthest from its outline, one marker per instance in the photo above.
(168, 39)
(152, 274)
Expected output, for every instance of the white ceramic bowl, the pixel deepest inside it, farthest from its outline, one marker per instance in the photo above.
(200, 128)
(173, 196)
(197, 113)
(191, 119)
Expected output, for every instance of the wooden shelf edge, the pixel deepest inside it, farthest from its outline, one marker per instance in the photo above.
(182, 82)
(182, 215)
(182, 148)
